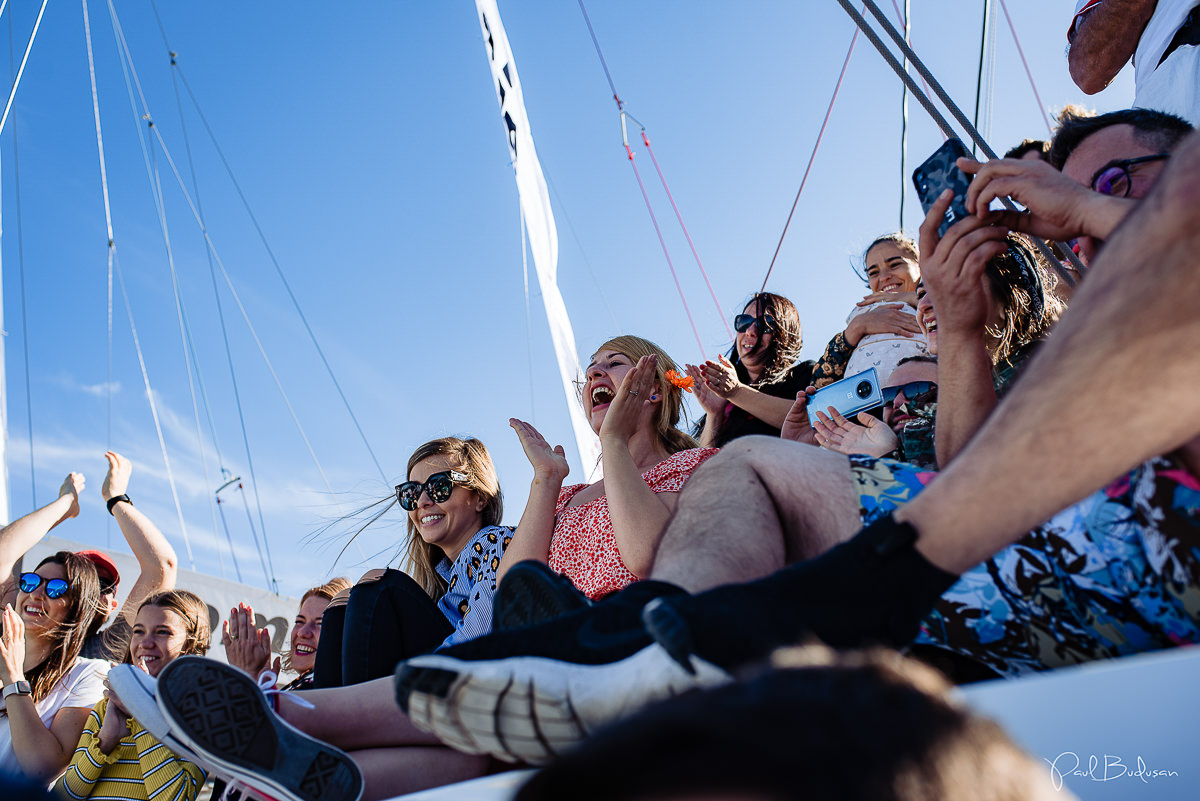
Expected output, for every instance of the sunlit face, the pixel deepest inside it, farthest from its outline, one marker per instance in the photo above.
(306, 632)
(1108, 145)
(901, 410)
(39, 613)
(752, 344)
(159, 635)
(890, 269)
(927, 318)
(604, 376)
(448, 525)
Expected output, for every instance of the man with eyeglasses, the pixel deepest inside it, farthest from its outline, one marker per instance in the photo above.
(155, 556)
(1160, 36)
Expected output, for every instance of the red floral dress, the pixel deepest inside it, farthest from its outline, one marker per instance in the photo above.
(584, 547)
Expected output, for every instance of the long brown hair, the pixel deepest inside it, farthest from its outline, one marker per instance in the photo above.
(194, 611)
(67, 638)
(326, 591)
(470, 457)
(670, 411)
(1022, 285)
(786, 337)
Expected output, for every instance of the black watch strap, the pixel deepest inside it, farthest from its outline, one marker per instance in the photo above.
(113, 501)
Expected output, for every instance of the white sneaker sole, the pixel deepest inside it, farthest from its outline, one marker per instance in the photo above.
(137, 692)
(530, 709)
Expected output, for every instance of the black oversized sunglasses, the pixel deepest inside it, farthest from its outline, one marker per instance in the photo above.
(742, 322)
(438, 487)
(1116, 178)
(913, 391)
(55, 588)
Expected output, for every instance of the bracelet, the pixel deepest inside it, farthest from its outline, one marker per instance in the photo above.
(114, 500)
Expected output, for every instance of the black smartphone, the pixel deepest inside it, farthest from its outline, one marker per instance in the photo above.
(939, 173)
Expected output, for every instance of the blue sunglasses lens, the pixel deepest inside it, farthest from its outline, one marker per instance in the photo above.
(55, 588)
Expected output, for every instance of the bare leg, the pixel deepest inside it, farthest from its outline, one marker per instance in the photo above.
(359, 716)
(389, 772)
(760, 504)
(1133, 325)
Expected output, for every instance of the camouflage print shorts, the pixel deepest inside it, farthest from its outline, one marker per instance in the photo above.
(1115, 574)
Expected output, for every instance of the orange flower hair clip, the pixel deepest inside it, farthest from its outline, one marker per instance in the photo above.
(684, 382)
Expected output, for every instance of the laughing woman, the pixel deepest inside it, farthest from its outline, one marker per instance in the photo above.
(49, 690)
(603, 536)
(118, 759)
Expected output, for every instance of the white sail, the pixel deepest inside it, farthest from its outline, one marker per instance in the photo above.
(539, 222)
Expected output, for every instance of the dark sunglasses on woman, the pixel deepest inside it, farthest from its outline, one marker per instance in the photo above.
(742, 323)
(913, 391)
(438, 487)
(55, 588)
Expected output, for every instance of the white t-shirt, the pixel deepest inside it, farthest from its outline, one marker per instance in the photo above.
(83, 686)
(884, 351)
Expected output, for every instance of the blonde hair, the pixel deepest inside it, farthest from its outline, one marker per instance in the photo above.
(670, 411)
(472, 458)
(194, 612)
(326, 591)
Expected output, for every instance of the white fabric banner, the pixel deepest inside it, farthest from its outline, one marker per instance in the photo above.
(539, 222)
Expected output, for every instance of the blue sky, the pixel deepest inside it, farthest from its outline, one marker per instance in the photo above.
(367, 140)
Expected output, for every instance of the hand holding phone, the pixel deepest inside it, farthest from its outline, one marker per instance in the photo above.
(849, 396)
(940, 172)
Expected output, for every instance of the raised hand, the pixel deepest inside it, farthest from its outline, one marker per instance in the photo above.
(709, 401)
(247, 647)
(548, 462)
(869, 436)
(632, 400)
(796, 426)
(953, 266)
(12, 647)
(117, 480)
(72, 485)
(721, 377)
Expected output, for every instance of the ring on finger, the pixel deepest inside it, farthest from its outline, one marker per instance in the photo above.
(633, 392)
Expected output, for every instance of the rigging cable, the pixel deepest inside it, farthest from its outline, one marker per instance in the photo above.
(811, 158)
(24, 59)
(983, 51)
(937, 116)
(667, 189)
(1028, 72)
(124, 52)
(906, 20)
(21, 266)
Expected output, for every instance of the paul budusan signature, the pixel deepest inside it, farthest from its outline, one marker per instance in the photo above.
(1102, 768)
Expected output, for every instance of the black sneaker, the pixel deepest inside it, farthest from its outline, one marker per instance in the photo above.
(220, 714)
(526, 695)
(532, 593)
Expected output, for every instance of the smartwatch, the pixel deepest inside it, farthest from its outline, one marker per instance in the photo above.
(17, 688)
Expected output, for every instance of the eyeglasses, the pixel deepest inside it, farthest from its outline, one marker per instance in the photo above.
(742, 323)
(55, 588)
(1115, 178)
(438, 487)
(914, 391)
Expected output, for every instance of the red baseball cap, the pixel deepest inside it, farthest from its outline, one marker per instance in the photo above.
(106, 569)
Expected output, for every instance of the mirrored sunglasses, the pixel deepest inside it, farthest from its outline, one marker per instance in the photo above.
(55, 587)
(438, 487)
(742, 323)
(913, 391)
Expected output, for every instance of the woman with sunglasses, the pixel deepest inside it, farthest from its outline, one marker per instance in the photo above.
(454, 505)
(48, 689)
(882, 329)
(751, 390)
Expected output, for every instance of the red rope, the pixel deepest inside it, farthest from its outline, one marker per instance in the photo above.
(663, 243)
(679, 217)
(1021, 53)
(811, 158)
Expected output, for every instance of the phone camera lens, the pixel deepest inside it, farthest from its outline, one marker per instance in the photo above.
(863, 389)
